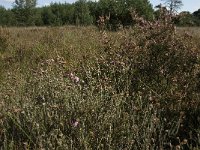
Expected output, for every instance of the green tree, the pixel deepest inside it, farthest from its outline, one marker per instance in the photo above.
(197, 13)
(120, 10)
(24, 11)
(58, 12)
(3, 17)
(82, 13)
(68, 13)
(185, 18)
(109, 8)
(93, 9)
(6, 17)
(47, 15)
(173, 5)
(37, 18)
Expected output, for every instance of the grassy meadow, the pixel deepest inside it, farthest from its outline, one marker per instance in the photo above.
(78, 88)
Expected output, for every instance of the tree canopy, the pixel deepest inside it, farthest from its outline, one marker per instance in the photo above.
(24, 11)
(173, 5)
(84, 12)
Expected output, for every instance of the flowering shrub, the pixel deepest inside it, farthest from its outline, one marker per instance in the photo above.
(153, 67)
(152, 58)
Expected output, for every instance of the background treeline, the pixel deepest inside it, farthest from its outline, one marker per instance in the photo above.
(85, 12)
(82, 12)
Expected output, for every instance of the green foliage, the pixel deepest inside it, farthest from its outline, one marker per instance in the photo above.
(120, 10)
(82, 13)
(6, 17)
(197, 13)
(3, 19)
(47, 16)
(24, 11)
(187, 19)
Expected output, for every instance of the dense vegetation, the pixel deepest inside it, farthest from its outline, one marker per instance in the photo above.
(78, 88)
(84, 12)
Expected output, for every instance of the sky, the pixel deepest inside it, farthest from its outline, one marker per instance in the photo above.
(188, 5)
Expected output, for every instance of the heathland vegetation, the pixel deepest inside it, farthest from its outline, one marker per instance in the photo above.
(83, 87)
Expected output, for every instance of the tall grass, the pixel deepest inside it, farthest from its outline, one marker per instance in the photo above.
(77, 88)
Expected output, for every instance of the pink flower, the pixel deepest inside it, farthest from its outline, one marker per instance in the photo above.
(72, 77)
(74, 123)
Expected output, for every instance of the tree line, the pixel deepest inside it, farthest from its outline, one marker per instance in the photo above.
(84, 12)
